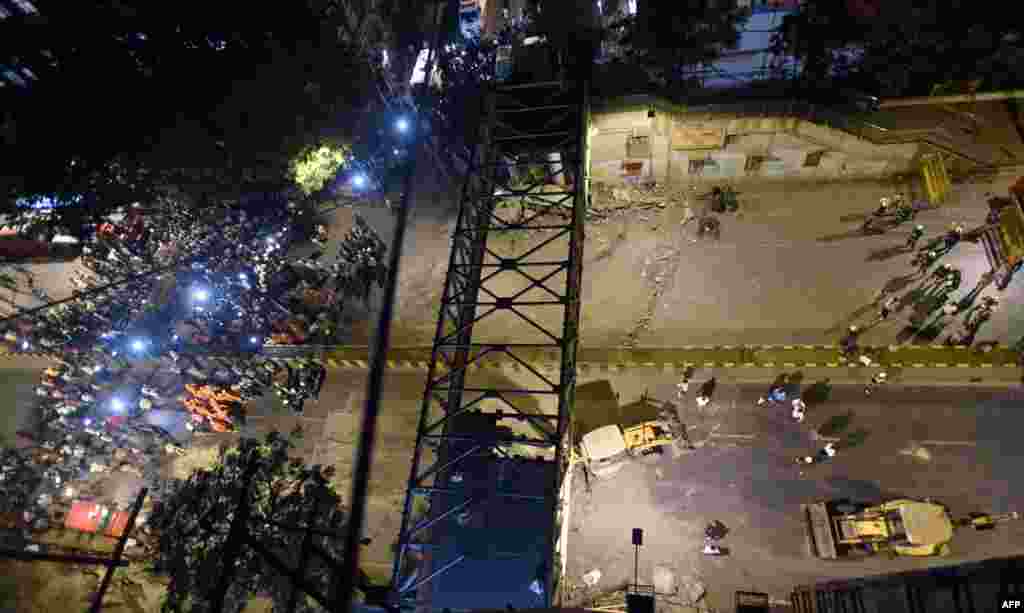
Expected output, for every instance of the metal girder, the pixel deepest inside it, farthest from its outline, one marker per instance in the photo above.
(484, 438)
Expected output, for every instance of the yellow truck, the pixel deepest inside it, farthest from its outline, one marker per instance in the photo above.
(900, 527)
(610, 435)
(840, 528)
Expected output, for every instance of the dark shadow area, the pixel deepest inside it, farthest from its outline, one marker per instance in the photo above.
(794, 384)
(832, 238)
(898, 284)
(836, 424)
(817, 393)
(887, 253)
(852, 317)
(858, 490)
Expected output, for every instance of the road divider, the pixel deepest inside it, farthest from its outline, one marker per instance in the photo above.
(676, 359)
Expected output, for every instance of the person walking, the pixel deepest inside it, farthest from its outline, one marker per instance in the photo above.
(879, 379)
(799, 410)
(924, 261)
(776, 394)
(826, 453)
(706, 390)
(684, 383)
(848, 344)
(956, 232)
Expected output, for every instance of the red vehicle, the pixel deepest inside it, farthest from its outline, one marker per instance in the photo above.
(95, 518)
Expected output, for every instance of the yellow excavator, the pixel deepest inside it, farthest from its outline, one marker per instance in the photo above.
(610, 435)
(901, 527)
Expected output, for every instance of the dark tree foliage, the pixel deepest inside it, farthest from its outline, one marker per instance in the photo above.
(151, 96)
(20, 478)
(669, 38)
(456, 107)
(906, 47)
(193, 518)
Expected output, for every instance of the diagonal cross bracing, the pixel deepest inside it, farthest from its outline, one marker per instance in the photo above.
(480, 520)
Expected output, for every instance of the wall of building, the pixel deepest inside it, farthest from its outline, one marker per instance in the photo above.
(629, 146)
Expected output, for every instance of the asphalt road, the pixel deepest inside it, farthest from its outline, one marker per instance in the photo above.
(957, 445)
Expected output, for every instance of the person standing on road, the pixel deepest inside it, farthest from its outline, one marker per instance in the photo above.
(826, 453)
(848, 344)
(879, 379)
(924, 261)
(915, 235)
(706, 390)
(776, 394)
(888, 307)
(684, 383)
(883, 207)
(799, 410)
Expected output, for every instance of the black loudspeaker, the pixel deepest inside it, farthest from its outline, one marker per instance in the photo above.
(638, 536)
(639, 603)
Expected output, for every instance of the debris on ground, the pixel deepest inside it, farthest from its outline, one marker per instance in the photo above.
(917, 452)
(664, 581)
(693, 590)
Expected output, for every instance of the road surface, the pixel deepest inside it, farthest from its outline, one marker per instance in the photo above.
(957, 445)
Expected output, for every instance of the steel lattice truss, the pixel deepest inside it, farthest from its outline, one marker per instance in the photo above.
(480, 523)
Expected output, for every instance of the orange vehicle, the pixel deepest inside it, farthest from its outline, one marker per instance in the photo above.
(96, 519)
(210, 411)
(208, 392)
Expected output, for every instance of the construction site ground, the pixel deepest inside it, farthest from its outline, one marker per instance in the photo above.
(954, 444)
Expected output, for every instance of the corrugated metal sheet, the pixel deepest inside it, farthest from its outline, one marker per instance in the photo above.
(773, 168)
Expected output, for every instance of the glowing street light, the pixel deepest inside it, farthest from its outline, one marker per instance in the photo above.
(24, 345)
(254, 340)
(402, 124)
(117, 404)
(138, 344)
(359, 180)
(200, 294)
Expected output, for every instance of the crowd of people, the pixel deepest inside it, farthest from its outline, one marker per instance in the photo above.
(934, 304)
(186, 340)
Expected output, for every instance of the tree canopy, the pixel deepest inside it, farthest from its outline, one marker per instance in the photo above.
(151, 96)
(193, 518)
(669, 38)
(905, 48)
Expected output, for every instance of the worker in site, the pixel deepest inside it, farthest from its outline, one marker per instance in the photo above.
(915, 235)
(879, 379)
(826, 453)
(799, 410)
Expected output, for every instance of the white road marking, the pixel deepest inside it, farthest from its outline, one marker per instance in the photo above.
(950, 443)
(743, 436)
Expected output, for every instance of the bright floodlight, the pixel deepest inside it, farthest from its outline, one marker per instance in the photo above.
(200, 294)
(254, 340)
(117, 404)
(138, 344)
(87, 422)
(402, 124)
(359, 180)
(24, 345)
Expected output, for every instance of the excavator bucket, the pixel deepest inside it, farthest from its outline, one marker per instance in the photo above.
(821, 537)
